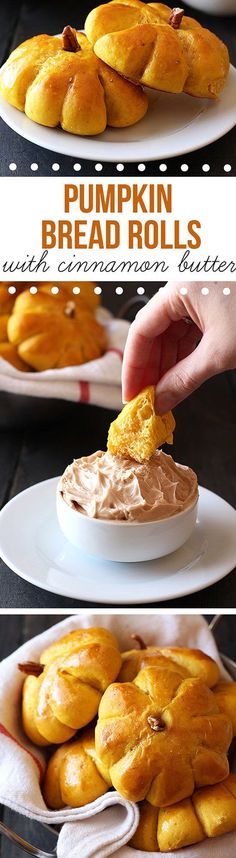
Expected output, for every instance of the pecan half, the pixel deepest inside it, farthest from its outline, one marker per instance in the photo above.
(139, 640)
(69, 309)
(69, 39)
(156, 724)
(31, 668)
(176, 17)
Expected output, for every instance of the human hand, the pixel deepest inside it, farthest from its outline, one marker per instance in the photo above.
(179, 341)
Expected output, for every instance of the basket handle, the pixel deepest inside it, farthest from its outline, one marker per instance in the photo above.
(24, 845)
(130, 303)
(215, 622)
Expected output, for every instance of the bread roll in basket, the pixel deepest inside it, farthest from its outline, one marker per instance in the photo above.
(162, 736)
(53, 331)
(163, 731)
(61, 694)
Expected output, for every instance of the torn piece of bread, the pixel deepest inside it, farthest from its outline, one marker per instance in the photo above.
(138, 430)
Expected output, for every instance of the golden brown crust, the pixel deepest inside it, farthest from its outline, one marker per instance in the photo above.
(138, 431)
(10, 353)
(70, 88)
(3, 328)
(225, 694)
(73, 776)
(190, 662)
(139, 41)
(210, 812)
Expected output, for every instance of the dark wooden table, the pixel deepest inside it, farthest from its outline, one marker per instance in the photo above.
(204, 439)
(14, 631)
(21, 19)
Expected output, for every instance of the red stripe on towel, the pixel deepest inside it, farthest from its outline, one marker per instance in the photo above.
(116, 352)
(84, 391)
(6, 733)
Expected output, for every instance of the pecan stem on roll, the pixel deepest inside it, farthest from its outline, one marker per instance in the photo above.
(176, 17)
(31, 668)
(69, 309)
(139, 640)
(156, 724)
(69, 39)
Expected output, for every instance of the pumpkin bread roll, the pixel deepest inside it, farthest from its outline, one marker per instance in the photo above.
(74, 776)
(62, 694)
(162, 736)
(58, 80)
(189, 662)
(210, 812)
(138, 430)
(54, 331)
(157, 46)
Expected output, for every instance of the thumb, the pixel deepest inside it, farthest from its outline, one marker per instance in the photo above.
(183, 378)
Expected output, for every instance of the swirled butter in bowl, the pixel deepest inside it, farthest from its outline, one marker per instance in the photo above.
(119, 509)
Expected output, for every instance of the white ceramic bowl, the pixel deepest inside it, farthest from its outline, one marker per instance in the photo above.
(125, 541)
(214, 7)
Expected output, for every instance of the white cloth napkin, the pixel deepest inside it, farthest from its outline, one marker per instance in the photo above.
(97, 382)
(106, 826)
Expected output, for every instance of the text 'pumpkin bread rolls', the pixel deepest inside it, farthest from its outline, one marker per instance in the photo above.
(138, 430)
(58, 80)
(160, 47)
(162, 736)
(61, 694)
(210, 812)
(74, 774)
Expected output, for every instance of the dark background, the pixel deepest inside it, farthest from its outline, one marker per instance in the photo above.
(38, 438)
(21, 19)
(14, 631)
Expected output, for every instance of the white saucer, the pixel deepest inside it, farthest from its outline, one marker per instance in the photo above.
(32, 544)
(173, 125)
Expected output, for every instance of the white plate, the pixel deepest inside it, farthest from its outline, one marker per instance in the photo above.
(173, 125)
(32, 544)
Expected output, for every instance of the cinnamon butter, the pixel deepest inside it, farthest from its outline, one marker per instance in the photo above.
(109, 487)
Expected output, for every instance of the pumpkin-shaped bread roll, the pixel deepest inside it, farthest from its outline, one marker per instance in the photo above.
(138, 430)
(161, 736)
(61, 694)
(74, 775)
(210, 812)
(189, 662)
(58, 80)
(54, 331)
(157, 46)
